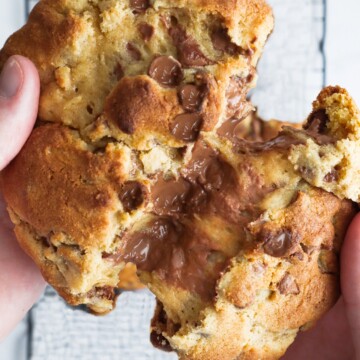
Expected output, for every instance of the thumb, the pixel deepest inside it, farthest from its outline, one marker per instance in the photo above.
(350, 280)
(19, 97)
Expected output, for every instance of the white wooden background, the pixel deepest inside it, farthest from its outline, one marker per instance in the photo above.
(291, 74)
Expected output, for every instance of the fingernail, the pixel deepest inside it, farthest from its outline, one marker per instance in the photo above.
(10, 79)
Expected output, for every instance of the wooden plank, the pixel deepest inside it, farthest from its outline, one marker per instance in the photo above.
(291, 72)
(343, 45)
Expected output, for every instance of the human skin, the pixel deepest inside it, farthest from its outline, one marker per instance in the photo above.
(336, 336)
(21, 283)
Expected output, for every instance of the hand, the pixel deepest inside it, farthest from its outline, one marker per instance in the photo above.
(20, 281)
(337, 335)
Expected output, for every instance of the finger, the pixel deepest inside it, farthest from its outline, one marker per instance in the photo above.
(350, 280)
(21, 283)
(19, 98)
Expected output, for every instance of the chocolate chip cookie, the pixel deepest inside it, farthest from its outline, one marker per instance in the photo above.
(144, 154)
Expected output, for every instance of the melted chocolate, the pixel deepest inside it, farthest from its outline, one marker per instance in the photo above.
(166, 71)
(139, 6)
(178, 253)
(222, 42)
(186, 127)
(232, 129)
(170, 197)
(131, 196)
(283, 142)
(178, 197)
(236, 96)
(207, 169)
(133, 51)
(189, 52)
(146, 31)
(190, 97)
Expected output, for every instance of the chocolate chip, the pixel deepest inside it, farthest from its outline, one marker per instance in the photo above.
(288, 285)
(233, 128)
(279, 244)
(146, 31)
(132, 195)
(186, 127)
(105, 292)
(317, 121)
(133, 51)
(331, 176)
(90, 109)
(139, 6)
(222, 42)
(189, 52)
(190, 97)
(166, 71)
(118, 71)
(306, 172)
(160, 342)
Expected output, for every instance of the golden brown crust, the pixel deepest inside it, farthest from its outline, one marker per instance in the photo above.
(81, 185)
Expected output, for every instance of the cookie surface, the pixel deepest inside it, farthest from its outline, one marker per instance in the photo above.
(141, 156)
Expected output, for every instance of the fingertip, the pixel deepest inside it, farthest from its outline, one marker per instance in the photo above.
(18, 106)
(350, 263)
(31, 76)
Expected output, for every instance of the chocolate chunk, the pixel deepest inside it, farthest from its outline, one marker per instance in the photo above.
(236, 96)
(139, 6)
(118, 71)
(159, 341)
(191, 97)
(306, 172)
(166, 71)
(222, 42)
(316, 127)
(161, 323)
(189, 52)
(170, 197)
(279, 244)
(105, 292)
(186, 127)
(133, 51)
(132, 196)
(146, 31)
(331, 176)
(288, 285)
(317, 122)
